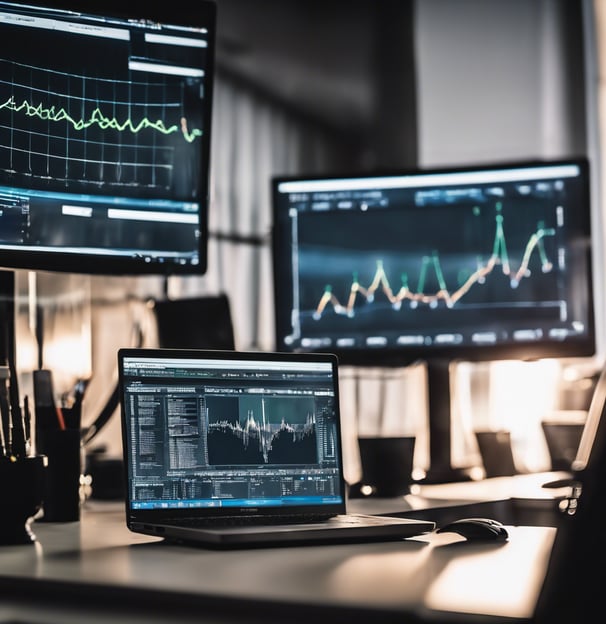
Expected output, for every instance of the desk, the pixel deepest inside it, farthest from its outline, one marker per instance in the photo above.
(520, 500)
(97, 571)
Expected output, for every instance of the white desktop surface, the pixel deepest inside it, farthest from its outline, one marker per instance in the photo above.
(527, 487)
(427, 575)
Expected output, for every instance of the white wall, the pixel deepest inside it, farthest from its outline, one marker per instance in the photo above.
(491, 81)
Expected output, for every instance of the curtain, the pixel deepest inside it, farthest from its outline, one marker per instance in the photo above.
(254, 138)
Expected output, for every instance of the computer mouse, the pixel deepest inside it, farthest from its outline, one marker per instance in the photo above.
(477, 529)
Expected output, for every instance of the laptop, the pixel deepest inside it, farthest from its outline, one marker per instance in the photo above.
(238, 449)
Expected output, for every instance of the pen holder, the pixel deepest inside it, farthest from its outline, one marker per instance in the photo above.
(62, 490)
(22, 482)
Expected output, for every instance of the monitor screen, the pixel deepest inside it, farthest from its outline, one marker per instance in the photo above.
(477, 263)
(105, 119)
(457, 264)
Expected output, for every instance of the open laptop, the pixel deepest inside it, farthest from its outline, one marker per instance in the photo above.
(235, 449)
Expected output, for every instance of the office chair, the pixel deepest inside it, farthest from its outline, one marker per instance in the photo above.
(562, 442)
(195, 323)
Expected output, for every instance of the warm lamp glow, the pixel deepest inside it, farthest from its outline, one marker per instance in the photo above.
(521, 395)
(69, 358)
(26, 352)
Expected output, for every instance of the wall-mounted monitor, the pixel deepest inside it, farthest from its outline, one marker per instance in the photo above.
(471, 263)
(105, 119)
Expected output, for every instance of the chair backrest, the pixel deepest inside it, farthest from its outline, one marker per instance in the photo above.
(562, 442)
(195, 323)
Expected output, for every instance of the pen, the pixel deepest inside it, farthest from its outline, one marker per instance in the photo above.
(17, 445)
(17, 432)
(27, 424)
(5, 430)
(5, 414)
(60, 418)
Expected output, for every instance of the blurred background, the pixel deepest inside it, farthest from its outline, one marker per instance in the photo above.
(355, 86)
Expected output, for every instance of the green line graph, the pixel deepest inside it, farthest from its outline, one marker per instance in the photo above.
(499, 257)
(116, 131)
(98, 118)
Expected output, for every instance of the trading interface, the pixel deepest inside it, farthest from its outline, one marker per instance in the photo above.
(101, 125)
(469, 260)
(236, 437)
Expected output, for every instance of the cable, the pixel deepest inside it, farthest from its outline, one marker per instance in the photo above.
(112, 402)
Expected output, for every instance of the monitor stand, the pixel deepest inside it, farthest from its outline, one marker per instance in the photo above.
(440, 454)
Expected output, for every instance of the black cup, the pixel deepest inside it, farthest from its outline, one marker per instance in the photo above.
(387, 465)
(23, 484)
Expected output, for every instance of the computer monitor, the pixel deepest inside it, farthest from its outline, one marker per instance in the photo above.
(105, 120)
(473, 263)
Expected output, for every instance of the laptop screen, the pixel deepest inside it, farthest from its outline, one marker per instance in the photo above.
(229, 431)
